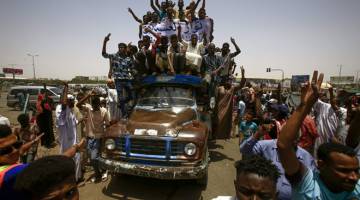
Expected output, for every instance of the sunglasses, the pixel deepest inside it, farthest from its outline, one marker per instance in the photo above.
(10, 149)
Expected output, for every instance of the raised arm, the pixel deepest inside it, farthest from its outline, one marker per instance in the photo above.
(70, 152)
(134, 16)
(197, 4)
(289, 132)
(205, 40)
(203, 4)
(157, 4)
(86, 97)
(63, 99)
(179, 33)
(353, 137)
(46, 93)
(106, 39)
(211, 29)
(237, 49)
(106, 55)
(25, 147)
(154, 7)
(333, 103)
(258, 109)
(233, 67)
(140, 31)
(243, 80)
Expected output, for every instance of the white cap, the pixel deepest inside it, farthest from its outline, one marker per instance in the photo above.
(272, 101)
(70, 97)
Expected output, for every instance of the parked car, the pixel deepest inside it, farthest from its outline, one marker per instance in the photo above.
(33, 91)
(166, 135)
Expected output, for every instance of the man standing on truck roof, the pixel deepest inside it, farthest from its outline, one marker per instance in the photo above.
(120, 67)
(226, 58)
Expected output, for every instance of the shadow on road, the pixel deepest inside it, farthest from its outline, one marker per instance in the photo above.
(213, 145)
(215, 154)
(126, 187)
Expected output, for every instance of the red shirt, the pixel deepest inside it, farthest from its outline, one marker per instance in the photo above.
(308, 133)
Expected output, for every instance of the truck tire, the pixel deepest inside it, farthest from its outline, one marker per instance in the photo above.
(203, 181)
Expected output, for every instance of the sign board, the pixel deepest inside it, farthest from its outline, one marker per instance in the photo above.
(342, 79)
(200, 27)
(286, 83)
(12, 71)
(297, 81)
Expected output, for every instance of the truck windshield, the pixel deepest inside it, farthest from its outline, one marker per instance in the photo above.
(166, 97)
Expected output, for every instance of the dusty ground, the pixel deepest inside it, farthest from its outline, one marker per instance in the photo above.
(221, 176)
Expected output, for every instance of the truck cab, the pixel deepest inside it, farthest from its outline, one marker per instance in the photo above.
(166, 135)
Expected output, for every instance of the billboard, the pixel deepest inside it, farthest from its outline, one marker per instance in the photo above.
(12, 71)
(342, 79)
(297, 80)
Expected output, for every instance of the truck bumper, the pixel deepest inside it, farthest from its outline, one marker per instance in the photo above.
(158, 172)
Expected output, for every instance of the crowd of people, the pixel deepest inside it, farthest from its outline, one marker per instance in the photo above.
(310, 151)
(172, 41)
(305, 151)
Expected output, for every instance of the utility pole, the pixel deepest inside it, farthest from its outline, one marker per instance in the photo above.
(33, 62)
(339, 75)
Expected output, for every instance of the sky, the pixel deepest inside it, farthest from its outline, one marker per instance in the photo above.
(293, 35)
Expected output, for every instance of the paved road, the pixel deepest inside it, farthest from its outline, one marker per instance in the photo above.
(221, 176)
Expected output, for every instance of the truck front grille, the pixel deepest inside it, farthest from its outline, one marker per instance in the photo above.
(165, 149)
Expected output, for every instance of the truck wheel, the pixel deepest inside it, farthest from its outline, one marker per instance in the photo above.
(203, 181)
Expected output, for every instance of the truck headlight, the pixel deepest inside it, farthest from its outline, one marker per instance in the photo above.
(110, 144)
(190, 149)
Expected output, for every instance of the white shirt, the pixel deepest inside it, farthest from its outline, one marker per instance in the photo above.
(114, 110)
(197, 49)
(328, 121)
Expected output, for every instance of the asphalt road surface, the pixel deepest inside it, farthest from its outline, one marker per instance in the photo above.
(223, 154)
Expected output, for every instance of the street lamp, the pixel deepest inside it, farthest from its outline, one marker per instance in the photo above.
(33, 62)
(357, 79)
(269, 69)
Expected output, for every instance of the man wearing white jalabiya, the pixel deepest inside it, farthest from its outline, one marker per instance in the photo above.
(112, 101)
(4, 120)
(66, 125)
